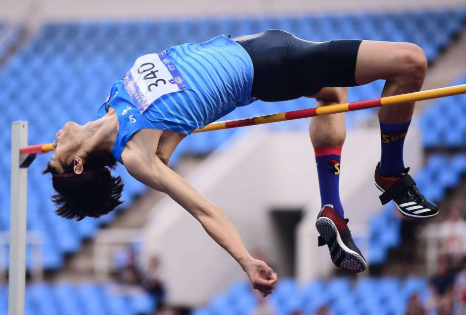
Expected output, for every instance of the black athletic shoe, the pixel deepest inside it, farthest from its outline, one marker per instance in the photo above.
(403, 191)
(334, 232)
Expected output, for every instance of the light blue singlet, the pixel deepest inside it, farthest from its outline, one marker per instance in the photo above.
(207, 80)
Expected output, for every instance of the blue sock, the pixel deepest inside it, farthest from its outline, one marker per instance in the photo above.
(328, 169)
(393, 139)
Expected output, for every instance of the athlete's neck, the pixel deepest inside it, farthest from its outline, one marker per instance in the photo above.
(101, 133)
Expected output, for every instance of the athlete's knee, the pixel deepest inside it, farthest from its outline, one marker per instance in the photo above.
(412, 61)
(332, 95)
(341, 94)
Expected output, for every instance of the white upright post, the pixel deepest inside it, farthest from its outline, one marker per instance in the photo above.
(17, 273)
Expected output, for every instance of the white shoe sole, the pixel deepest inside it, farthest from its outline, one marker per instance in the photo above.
(353, 262)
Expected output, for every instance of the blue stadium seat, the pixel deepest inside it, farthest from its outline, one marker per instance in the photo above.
(368, 295)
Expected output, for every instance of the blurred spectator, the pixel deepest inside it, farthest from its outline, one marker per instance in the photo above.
(442, 281)
(459, 292)
(322, 310)
(415, 306)
(153, 281)
(129, 279)
(445, 306)
(453, 234)
(168, 311)
(442, 287)
(130, 276)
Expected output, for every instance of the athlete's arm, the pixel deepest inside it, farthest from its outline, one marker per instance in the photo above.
(153, 173)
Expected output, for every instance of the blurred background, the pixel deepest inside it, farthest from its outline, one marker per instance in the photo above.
(58, 61)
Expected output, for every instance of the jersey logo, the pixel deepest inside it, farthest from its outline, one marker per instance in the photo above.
(131, 119)
(124, 112)
(335, 167)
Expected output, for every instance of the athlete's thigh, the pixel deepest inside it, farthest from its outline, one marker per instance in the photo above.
(383, 60)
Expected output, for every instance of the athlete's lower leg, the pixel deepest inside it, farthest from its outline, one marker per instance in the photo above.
(403, 66)
(328, 134)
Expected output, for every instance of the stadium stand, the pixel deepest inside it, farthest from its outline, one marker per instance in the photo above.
(375, 296)
(65, 72)
(449, 131)
(9, 36)
(86, 298)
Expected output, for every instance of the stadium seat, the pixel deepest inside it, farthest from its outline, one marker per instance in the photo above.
(368, 295)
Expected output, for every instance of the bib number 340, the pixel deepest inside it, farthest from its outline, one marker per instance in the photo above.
(151, 77)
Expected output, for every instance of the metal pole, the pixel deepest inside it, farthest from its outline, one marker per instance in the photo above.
(17, 270)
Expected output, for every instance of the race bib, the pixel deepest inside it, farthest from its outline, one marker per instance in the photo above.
(151, 77)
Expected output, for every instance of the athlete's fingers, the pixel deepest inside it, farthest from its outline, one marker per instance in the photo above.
(268, 274)
(265, 292)
(264, 288)
(273, 278)
(264, 282)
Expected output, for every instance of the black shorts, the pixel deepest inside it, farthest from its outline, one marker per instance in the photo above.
(287, 67)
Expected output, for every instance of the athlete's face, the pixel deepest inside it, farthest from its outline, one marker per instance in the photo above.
(67, 144)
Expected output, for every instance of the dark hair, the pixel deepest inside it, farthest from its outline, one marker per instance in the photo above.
(90, 195)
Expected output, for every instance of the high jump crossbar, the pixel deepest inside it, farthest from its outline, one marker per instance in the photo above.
(296, 114)
(337, 108)
(22, 156)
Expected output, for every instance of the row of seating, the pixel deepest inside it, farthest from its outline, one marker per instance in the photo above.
(84, 298)
(52, 86)
(9, 35)
(444, 125)
(375, 296)
(418, 27)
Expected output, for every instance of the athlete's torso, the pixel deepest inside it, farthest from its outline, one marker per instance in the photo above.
(216, 77)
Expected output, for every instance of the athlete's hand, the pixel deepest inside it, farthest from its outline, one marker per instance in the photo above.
(261, 276)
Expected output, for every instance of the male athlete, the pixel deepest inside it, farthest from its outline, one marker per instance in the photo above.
(164, 97)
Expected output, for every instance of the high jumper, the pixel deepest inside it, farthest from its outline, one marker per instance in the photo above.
(165, 97)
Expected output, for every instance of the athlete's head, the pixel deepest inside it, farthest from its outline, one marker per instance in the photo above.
(81, 177)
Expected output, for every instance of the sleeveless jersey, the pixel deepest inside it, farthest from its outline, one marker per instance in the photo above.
(182, 89)
(129, 119)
